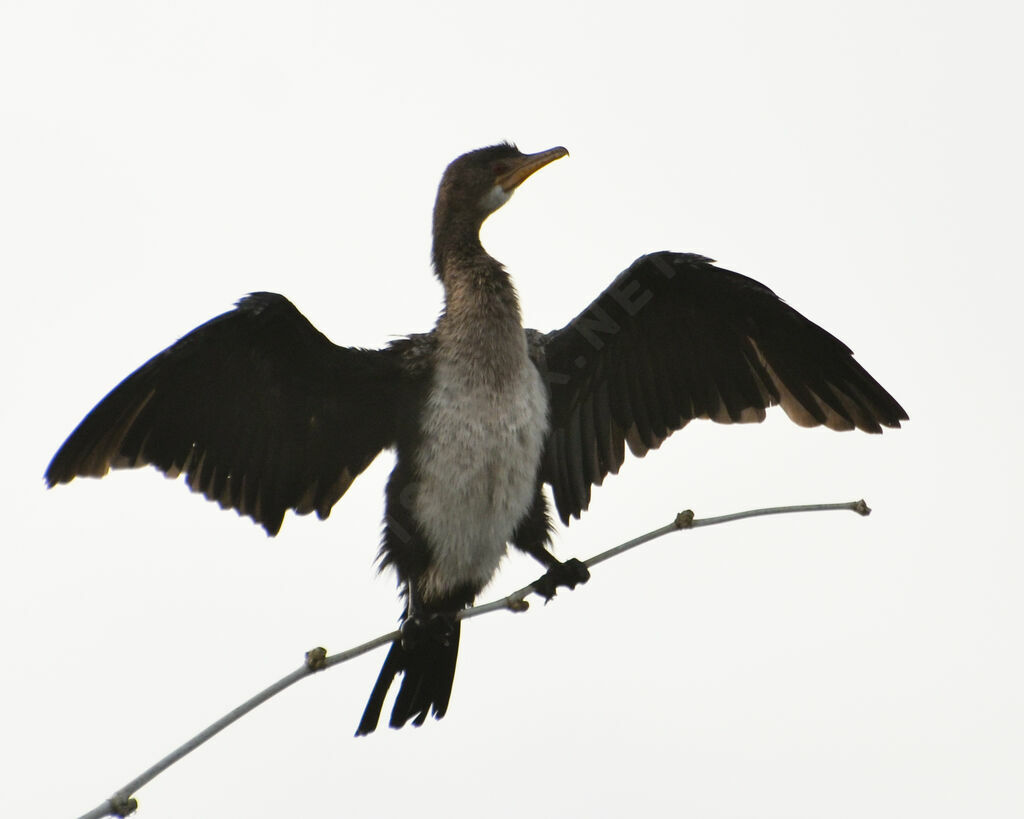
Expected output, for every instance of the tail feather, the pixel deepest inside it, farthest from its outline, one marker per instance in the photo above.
(428, 671)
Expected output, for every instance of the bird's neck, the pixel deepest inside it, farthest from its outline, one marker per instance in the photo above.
(481, 328)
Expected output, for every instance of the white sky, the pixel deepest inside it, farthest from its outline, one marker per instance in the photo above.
(159, 160)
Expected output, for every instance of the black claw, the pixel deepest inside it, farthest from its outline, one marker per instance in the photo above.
(569, 574)
(436, 628)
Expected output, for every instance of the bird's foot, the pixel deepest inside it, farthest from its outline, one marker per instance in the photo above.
(421, 628)
(570, 574)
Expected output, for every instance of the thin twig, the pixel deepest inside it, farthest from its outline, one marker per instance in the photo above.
(122, 803)
(684, 520)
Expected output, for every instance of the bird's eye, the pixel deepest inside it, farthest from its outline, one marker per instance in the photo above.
(500, 168)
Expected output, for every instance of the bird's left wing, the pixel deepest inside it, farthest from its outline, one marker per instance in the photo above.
(258, 409)
(675, 338)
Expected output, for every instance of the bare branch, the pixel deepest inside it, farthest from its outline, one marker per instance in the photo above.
(122, 803)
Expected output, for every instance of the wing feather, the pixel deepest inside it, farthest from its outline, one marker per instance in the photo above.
(257, 408)
(675, 338)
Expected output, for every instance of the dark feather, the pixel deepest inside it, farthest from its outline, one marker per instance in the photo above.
(675, 338)
(259, 410)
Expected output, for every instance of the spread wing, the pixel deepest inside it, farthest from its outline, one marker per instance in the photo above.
(259, 410)
(675, 338)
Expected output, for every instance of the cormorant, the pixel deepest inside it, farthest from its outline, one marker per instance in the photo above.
(262, 413)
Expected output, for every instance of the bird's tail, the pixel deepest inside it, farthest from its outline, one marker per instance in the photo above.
(427, 664)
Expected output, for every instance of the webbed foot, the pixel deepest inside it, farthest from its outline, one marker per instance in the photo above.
(440, 629)
(569, 574)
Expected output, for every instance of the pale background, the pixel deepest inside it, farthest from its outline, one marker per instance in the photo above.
(159, 160)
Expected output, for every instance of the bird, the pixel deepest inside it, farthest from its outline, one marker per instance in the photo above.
(263, 414)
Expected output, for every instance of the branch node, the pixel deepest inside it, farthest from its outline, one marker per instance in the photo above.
(123, 805)
(861, 508)
(684, 520)
(518, 605)
(315, 658)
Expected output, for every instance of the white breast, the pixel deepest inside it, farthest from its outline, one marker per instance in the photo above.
(477, 470)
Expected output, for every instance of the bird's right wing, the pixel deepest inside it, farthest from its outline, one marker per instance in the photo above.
(259, 410)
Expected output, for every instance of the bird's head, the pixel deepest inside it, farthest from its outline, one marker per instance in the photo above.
(484, 179)
(478, 183)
